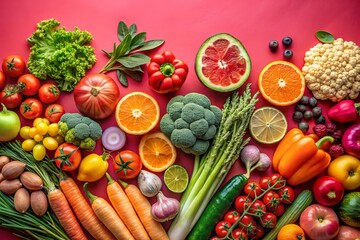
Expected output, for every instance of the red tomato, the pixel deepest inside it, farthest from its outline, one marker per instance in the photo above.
(49, 93)
(247, 223)
(328, 191)
(222, 228)
(2, 80)
(237, 234)
(232, 216)
(54, 112)
(252, 189)
(31, 108)
(70, 155)
(29, 84)
(278, 210)
(258, 208)
(127, 164)
(287, 194)
(10, 97)
(271, 199)
(96, 96)
(257, 232)
(13, 66)
(242, 203)
(277, 181)
(214, 238)
(264, 183)
(268, 220)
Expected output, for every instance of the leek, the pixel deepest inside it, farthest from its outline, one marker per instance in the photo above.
(216, 163)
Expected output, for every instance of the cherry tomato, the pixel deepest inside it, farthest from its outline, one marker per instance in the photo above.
(10, 97)
(287, 194)
(277, 181)
(278, 210)
(127, 164)
(268, 220)
(39, 152)
(258, 208)
(70, 155)
(264, 183)
(237, 234)
(2, 80)
(222, 228)
(271, 199)
(49, 93)
(13, 66)
(50, 143)
(242, 203)
(54, 112)
(232, 216)
(214, 238)
(257, 232)
(247, 223)
(252, 189)
(31, 108)
(28, 144)
(29, 84)
(53, 129)
(328, 191)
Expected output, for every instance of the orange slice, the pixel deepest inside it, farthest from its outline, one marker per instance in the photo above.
(137, 113)
(281, 83)
(156, 151)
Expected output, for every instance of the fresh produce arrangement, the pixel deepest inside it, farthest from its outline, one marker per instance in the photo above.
(68, 175)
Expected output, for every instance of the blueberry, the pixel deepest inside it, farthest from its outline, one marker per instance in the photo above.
(297, 116)
(304, 100)
(273, 45)
(308, 115)
(288, 53)
(317, 111)
(313, 102)
(303, 126)
(320, 120)
(300, 108)
(286, 41)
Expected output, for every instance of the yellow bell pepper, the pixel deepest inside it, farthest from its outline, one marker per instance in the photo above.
(346, 169)
(93, 167)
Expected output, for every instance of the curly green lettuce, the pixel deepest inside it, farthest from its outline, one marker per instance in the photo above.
(61, 55)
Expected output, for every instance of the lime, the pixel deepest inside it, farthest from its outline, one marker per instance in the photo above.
(268, 125)
(176, 178)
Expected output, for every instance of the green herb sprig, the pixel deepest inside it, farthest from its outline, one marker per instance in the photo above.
(128, 57)
(324, 37)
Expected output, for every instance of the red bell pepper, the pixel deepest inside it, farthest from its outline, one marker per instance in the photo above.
(344, 111)
(166, 73)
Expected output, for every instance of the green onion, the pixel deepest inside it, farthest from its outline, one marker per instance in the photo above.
(216, 163)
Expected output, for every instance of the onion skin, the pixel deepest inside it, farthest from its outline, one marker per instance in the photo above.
(351, 140)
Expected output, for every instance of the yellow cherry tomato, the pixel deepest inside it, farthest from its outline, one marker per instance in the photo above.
(53, 129)
(32, 132)
(46, 121)
(50, 143)
(24, 132)
(38, 137)
(42, 128)
(28, 144)
(59, 139)
(39, 152)
(37, 121)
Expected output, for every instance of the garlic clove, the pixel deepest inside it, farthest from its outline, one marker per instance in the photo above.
(149, 183)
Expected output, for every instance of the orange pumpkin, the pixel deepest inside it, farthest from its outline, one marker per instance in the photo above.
(291, 232)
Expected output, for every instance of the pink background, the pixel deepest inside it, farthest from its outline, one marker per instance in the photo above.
(184, 25)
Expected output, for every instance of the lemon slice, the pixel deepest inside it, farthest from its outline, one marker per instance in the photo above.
(268, 125)
(176, 178)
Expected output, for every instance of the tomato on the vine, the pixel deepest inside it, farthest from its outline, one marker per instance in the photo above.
(69, 155)
(268, 220)
(222, 228)
(257, 232)
(2, 80)
(277, 181)
(232, 216)
(10, 97)
(247, 223)
(127, 164)
(264, 183)
(271, 199)
(258, 208)
(29, 84)
(13, 66)
(54, 112)
(49, 93)
(278, 210)
(238, 234)
(252, 189)
(31, 108)
(287, 194)
(242, 203)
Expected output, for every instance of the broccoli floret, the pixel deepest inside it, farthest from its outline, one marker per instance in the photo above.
(73, 120)
(209, 116)
(69, 137)
(175, 110)
(88, 144)
(218, 114)
(200, 147)
(199, 127)
(65, 117)
(95, 130)
(82, 131)
(192, 112)
(63, 128)
(210, 133)
(178, 98)
(86, 120)
(167, 125)
(180, 123)
(182, 138)
(197, 98)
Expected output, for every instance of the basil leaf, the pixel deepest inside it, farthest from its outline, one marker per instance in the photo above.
(124, 46)
(122, 30)
(136, 75)
(134, 60)
(138, 40)
(134, 69)
(149, 45)
(325, 37)
(133, 29)
(122, 78)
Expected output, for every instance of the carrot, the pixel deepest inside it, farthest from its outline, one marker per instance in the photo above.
(108, 216)
(142, 207)
(62, 210)
(124, 209)
(83, 210)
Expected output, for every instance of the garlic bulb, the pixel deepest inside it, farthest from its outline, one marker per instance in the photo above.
(149, 183)
(165, 208)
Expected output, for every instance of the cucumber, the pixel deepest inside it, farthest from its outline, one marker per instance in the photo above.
(292, 214)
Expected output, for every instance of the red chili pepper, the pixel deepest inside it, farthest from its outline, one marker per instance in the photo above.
(166, 73)
(344, 111)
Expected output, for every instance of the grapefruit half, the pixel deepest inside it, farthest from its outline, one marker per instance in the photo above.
(222, 63)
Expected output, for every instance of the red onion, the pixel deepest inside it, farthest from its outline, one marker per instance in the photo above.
(113, 138)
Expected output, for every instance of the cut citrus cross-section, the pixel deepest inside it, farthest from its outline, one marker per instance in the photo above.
(281, 83)
(176, 178)
(137, 113)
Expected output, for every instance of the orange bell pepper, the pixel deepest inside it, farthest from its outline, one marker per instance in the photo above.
(298, 158)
